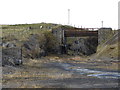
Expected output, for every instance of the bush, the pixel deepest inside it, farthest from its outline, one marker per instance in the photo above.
(51, 44)
(40, 45)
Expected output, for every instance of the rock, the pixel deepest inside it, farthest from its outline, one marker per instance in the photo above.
(7, 61)
(5, 44)
(8, 45)
(34, 47)
(85, 46)
(11, 56)
(0, 43)
(112, 47)
(11, 45)
(18, 62)
(42, 53)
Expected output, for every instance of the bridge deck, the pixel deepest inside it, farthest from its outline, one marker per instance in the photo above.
(78, 33)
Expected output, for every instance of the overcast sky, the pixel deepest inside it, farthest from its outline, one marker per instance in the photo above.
(85, 13)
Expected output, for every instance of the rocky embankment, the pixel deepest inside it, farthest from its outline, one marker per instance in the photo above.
(83, 46)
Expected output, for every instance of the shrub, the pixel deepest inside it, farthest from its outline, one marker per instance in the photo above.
(51, 44)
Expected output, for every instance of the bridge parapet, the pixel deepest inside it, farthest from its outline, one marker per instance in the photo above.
(80, 33)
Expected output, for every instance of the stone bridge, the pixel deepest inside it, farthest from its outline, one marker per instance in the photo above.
(99, 34)
(78, 33)
(63, 33)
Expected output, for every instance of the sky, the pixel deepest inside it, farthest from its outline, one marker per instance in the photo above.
(119, 16)
(85, 13)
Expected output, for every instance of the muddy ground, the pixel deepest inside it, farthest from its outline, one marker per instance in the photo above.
(62, 72)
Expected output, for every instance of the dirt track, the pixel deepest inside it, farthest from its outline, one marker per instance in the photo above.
(58, 72)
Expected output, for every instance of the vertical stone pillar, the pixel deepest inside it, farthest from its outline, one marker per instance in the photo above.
(104, 34)
(57, 32)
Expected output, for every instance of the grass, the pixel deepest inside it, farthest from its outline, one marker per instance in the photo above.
(21, 31)
(109, 48)
(113, 66)
(20, 34)
(31, 73)
(108, 51)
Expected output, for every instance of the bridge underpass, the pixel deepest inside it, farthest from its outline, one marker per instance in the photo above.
(63, 34)
(77, 33)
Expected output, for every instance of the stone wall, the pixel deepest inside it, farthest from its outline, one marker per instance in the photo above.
(59, 34)
(104, 34)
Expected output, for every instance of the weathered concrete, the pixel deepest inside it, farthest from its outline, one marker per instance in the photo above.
(104, 34)
(59, 34)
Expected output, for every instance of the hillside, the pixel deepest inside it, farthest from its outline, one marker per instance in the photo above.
(37, 40)
(28, 41)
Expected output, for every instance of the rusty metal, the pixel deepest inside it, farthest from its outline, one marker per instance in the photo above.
(85, 29)
(78, 33)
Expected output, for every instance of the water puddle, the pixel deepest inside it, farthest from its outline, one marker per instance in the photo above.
(89, 72)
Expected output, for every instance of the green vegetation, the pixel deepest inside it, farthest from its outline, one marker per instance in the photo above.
(35, 39)
(51, 41)
(22, 32)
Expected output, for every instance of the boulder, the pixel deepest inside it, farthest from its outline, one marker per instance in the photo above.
(18, 62)
(11, 56)
(34, 47)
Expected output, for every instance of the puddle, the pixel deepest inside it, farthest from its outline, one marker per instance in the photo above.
(89, 72)
(115, 76)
